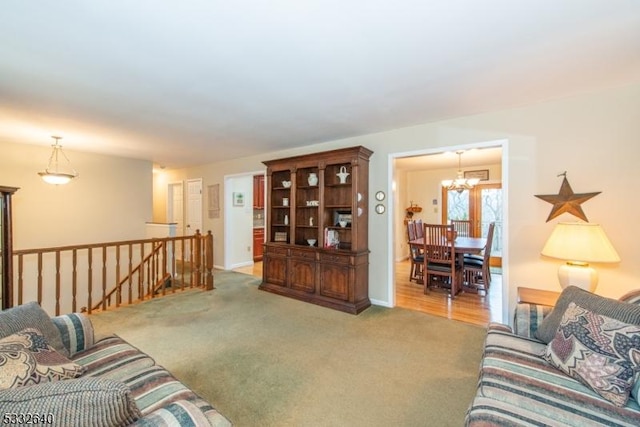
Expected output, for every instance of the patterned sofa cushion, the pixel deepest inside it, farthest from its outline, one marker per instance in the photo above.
(178, 413)
(76, 331)
(152, 386)
(27, 359)
(528, 317)
(79, 402)
(113, 358)
(31, 315)
(516, 383)
(598, 351)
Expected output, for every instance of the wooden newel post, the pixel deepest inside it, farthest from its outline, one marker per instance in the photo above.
(208, 250)
(198, 258)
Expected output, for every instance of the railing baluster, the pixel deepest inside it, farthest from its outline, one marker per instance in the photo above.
(198, 257)
(90, 279)
(209, 260)
(118, 289)
(141, 292)
(40, 278)
(191, 261)
(130, 275)
(57, 283)
(149, 269)
(74, 280)
(20, 279)
(182, 264)
(104, 279)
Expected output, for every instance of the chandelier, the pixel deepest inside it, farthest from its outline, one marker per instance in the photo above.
(460, 183)
(54, 174)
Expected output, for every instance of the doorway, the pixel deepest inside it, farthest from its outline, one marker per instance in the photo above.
(418, 191)
(175, 206)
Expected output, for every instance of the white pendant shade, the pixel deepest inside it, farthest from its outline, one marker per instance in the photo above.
(55, 173)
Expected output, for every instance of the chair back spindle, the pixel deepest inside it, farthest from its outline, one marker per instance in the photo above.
(462, 226)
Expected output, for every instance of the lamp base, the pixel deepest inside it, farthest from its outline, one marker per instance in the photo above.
(578, 274)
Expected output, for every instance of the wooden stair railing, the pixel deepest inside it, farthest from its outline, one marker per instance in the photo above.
(106, 301)
(103, 275)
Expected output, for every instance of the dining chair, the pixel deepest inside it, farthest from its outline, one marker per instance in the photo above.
(440, 266)
(419, 228)
(415, 273)
(462, 226)
(477, 269)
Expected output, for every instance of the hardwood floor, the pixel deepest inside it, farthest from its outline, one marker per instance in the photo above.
(254, 270)
(466, 307)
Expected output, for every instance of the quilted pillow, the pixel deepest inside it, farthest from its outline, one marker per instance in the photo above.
(27, 359)
(599, 351)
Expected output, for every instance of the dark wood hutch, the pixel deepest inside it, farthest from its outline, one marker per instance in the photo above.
(6, 246)
(316, 247)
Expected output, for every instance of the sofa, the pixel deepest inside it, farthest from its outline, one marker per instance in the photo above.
(53, 371)
(556, 368)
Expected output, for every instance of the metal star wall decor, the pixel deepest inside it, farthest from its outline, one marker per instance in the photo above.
(567, 201)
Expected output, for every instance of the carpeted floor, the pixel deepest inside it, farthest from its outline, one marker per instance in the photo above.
(267, 360)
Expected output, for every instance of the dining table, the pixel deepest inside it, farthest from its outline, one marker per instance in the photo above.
(463, 245)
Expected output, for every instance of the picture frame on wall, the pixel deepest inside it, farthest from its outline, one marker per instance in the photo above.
(482, 175)
(238, 198)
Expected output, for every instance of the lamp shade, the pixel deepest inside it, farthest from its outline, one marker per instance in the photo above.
(580, 242)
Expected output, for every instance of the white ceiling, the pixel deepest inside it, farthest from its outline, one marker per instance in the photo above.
(194, 81)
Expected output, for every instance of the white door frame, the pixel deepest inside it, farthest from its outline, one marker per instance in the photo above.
(504, 143)
(228, 232)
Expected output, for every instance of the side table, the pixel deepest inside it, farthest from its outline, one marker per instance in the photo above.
(537, 296)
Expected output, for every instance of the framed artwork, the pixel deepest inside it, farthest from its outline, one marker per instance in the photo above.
(482, 175)
(238, 198)
(280, 236)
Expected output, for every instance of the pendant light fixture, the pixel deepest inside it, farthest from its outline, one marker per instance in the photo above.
(460, 183)
(54, 173)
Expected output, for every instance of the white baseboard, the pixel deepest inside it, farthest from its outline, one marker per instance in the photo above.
(381, 303)
(241, 264)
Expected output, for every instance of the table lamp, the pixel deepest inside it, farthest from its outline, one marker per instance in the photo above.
(579, 243)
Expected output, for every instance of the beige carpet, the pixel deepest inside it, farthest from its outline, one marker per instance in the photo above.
(267, 360)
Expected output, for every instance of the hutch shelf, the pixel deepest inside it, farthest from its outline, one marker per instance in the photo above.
(316, 247)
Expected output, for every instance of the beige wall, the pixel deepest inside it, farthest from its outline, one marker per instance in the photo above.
(111, 199)
(594, 137)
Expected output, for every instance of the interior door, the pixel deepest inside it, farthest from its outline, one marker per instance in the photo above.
(194, 206)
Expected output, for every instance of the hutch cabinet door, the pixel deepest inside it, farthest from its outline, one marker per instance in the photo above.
(335, 276)
(302, 270)
(275, 266)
